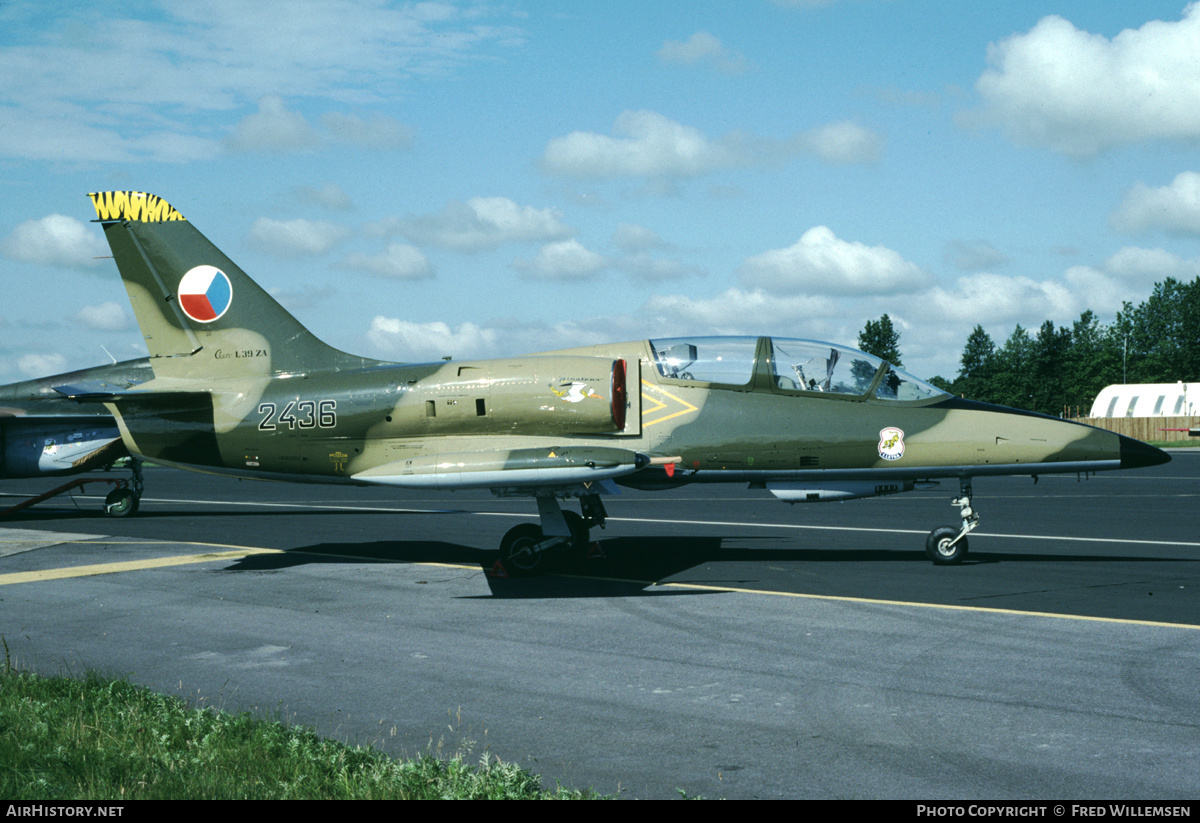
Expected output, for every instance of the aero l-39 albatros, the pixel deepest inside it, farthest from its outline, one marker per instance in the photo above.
(240, 387)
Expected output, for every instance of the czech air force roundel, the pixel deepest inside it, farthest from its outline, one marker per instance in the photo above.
(205, 294)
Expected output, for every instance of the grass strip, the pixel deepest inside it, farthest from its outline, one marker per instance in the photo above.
(101, 739)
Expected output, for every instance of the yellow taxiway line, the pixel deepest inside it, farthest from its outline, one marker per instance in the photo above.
(129, 565)
(231, 553)
(946, 606)
(238, 552)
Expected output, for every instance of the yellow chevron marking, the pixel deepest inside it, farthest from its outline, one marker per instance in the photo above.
(668, 409)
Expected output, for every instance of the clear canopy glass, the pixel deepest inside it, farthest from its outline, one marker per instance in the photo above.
(728, 360)
(793, 365)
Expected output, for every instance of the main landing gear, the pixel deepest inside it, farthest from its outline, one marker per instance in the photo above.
(527, 549)
(947, 545)
(123, 501)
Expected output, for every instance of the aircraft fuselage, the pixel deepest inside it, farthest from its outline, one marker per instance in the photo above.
(334, 426)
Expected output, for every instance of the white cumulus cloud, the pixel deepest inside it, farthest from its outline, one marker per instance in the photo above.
(156, 82)
(295, 238)
(703, 49)
(1174, 209)
(1127, 275)
(407, 342)
(480, 223)
(644, 267)
(502, 337)
(55, 240)
(108, 316)
(276, 129)
(329, 196)
(647, 144)
(273, 129)
(564, 260)
(821, 263)
(998, 299)
(842, 143)
(978, 255)
(741, 311)
(41, 365)
(378, 132)
(632, 238)
(1148, 266)
(1080, 93)
(398, 261)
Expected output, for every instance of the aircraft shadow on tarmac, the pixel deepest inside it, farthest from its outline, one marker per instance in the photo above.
(640, 558)
(382, 551)
(625, 566)
(581, 579)
(643, 559)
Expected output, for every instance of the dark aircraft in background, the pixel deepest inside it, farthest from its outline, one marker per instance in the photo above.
(239, 387)
(44, 434)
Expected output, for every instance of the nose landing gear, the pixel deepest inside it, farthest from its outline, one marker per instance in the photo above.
(947, 545)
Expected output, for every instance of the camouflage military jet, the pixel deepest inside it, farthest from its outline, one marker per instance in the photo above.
(43, 434)
(240, 387)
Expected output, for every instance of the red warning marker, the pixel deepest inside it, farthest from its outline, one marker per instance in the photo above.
(595, 552)
(498, 570)
(670, 469)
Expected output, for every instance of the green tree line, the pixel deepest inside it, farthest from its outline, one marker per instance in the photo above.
(1057, 369)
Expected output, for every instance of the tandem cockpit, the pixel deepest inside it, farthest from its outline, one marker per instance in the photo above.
(786, 365)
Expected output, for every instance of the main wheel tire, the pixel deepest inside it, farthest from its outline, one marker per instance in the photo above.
(580, 535)
(518, 550)
(121, 503)
(939, 550)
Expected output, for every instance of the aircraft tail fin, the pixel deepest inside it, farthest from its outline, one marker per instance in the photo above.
(200, 314)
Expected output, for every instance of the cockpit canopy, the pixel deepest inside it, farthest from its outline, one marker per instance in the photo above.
(787, 365)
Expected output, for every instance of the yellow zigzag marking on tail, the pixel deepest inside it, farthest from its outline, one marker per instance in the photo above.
(133, 205)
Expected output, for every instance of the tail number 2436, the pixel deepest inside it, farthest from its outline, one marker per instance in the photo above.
(299, 414)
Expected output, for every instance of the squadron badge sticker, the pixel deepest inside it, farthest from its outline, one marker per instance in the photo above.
(891, 443)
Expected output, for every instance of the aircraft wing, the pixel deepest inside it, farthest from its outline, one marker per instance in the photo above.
(36, 445)
(94, 391)
(104, 393)
(44, 431)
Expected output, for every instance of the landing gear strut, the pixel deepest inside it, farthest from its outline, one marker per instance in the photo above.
(526, 548)
(123, 501)
(947, 545)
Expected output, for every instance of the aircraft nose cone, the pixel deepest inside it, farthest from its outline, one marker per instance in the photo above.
(1135, 454)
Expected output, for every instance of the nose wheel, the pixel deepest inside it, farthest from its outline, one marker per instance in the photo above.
(947, 545)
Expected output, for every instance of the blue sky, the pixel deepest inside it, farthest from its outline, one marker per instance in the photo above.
(415, 180)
